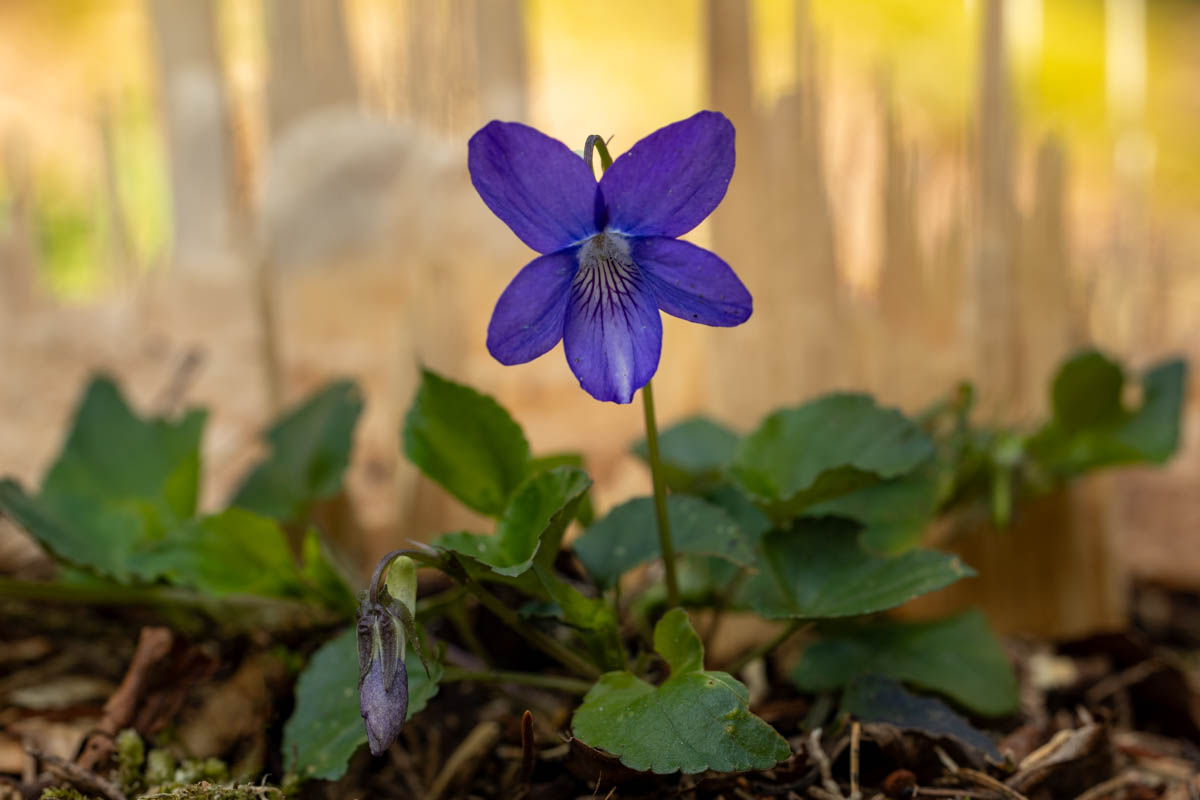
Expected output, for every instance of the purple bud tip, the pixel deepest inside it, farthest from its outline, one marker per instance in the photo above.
(383, 707)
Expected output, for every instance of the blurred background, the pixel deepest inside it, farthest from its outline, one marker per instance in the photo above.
(229, 202)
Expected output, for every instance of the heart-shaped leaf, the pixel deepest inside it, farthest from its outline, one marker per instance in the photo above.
(310, 449)
(327, 727)
(829, 447)
(467, 442)
(695, 721)
(957, 656)
(876, 699)
(532, 525)
(628, 536)
(820, 570)
(1092, 428)
(120, 482)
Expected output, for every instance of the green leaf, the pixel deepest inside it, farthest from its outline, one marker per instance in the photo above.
(532, 525)
(957, 656)
(1153, 431)
(695, 721)
(694, 453)
(586, 513)
(628, 536)
(1086, 392)
(326, 727)
(829, 447)
(466, 442)
(894, 513)
(819, 570)
(320, 572)
(591, 617)
(120, 482)
(234, 552)
(310, 449)
(876, 699)
(1092, 428)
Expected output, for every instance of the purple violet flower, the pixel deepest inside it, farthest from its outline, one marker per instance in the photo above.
(610, 257)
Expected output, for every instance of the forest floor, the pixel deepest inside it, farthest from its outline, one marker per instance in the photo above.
(1111, 716)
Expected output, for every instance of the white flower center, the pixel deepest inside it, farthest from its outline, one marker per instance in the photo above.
(607, 275)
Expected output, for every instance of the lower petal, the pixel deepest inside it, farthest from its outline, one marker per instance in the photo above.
(529, 316)
(690, 282)
(613, 332)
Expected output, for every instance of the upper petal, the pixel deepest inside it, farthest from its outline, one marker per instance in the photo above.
(529, 316)
(667, 183)
(692, 283)
(541, 190)
(613, 331)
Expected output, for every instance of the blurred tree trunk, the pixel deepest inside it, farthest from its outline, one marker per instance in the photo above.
(992, 304)
(500, 60)
(741, 387)
(1051, 323)
(18, 253)
(803, 304)
(902, 296)
(196, 114)
(311, 67)
(441, 76)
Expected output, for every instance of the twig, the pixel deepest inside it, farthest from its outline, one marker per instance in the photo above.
(818, 754)
(528, 747)
(855, 737)
(1108, 786)
(78, 776)
(153, 646)
(465, 759)
(986, 781)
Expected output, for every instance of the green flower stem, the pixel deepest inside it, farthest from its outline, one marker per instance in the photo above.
(547, 644)
(558, 683)
(790, 630)
(660, 498)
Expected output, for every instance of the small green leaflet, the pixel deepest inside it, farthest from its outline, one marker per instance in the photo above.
(466, 442)
(694, 721)
(532, 524)
(628, 536)
(310, 449)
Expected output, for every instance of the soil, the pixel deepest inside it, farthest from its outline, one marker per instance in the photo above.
(1110, 716)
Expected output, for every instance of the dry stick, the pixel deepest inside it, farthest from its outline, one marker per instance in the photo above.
(79, 776)
(988, 782)
(466, 758)
(855, 737)
(974, 776)
(818, 753)
(528, 747)
(1108, 786)
(153, 645)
